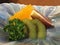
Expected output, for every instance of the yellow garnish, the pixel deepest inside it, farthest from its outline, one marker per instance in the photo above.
(23, 14)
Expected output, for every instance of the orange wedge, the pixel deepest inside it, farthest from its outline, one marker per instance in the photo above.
(46, 21)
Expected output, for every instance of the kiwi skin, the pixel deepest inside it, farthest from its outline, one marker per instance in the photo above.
(31, 28)
(41, 29)
(26, 31)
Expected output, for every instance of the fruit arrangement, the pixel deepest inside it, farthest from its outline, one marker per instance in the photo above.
(33, 24)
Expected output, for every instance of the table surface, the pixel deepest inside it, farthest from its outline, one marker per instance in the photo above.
(38, 2)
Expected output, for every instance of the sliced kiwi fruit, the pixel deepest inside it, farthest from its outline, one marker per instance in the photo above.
(41, 29)
(31, 28)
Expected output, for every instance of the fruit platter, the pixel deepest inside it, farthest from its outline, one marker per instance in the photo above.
(29, 24)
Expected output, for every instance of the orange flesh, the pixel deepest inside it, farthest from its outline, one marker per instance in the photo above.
(23, 14)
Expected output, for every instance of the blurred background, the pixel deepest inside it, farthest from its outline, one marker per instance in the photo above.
(34, 2)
